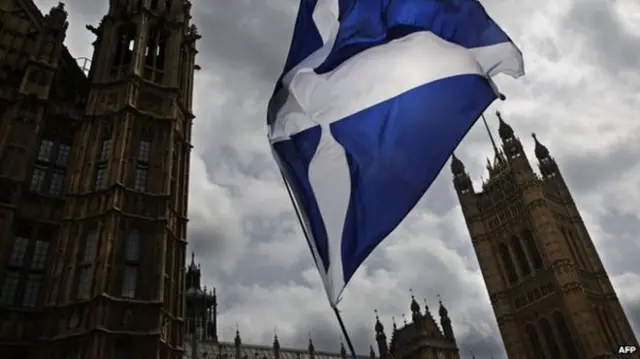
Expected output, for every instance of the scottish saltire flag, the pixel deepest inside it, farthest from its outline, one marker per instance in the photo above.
(374, 97)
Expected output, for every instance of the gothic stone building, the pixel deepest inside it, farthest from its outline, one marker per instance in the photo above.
(201, 319)
(550, 292)
(93, 182)
(420, 339)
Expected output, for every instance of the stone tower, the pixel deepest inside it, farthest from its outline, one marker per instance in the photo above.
(117, 278)
(421, 338)
(549, 290)
(201, 315)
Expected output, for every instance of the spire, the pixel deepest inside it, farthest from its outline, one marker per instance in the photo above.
(445, 322)
(193, 260)
(311, 348)
(395, 326)
(276, 343)
(442, 310)
(372, 354)
(343, 351)
(415, 307)
(504, 130)
(404, 319)
(378, 326)
(541, 150)
(457, 167)
(237, 341)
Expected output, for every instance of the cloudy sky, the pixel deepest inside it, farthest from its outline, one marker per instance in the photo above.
(581, 95)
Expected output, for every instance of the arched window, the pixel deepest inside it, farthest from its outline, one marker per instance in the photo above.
(532, 248)
(534, 342)
(550, 339)
(604, 328)
(132, 246)
(574, 251)
(613, 329)
(523, 263)
(579, 249)
(565, 335)
(507, 261)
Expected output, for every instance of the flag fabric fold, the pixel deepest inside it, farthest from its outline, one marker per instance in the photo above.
(374, 97)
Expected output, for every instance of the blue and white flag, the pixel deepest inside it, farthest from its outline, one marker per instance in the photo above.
(374, 97)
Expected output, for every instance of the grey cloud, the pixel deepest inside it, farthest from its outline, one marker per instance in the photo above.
(614, 46)
(622, 228)
(602, 167)
(247, 34)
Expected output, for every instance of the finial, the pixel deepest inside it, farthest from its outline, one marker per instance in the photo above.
(439, 299)
(193, 258)
(404, 319)
(393, 320)
(425, 303)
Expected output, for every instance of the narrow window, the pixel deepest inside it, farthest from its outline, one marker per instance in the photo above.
(105, 149)
(101, 177)
(32, 291)
(579, 249)
(40, 255)
(144, 148)
(132, 247)
(18, 251)
(565, 335)
(577, 257)
(521, 257)
(507, 261)
(532, 249)
(550, 338)
(9, 287)
(62, 159)
(84, 283)
(57, 183)
(90, 247)
(45, 150)
(129, 282)
(37, 179)
(140, 184)
(534, 342)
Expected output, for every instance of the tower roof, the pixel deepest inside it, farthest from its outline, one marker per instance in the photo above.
(457, 167)
(541, 150)
(504, 130)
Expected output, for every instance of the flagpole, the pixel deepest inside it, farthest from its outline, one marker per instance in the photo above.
(347, 338)
(344, 332)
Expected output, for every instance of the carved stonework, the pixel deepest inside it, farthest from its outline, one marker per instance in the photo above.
(150, 102)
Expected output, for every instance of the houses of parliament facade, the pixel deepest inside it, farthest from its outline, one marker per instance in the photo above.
(94, 173)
